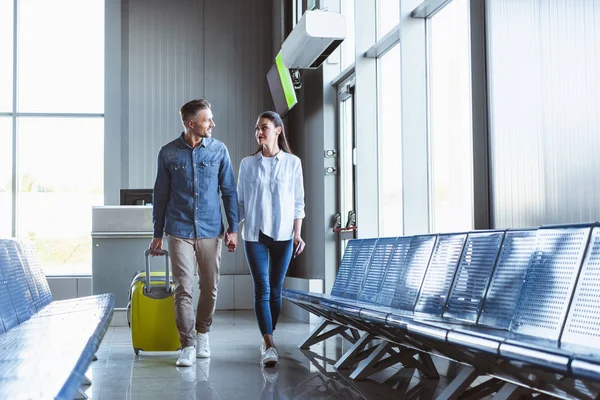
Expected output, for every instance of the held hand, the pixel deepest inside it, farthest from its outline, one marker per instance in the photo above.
(298, 245)
(156, 247)
(231, 241)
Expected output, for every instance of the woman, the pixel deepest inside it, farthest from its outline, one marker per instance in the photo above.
(271, 206)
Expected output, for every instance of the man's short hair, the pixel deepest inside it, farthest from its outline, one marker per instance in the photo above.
(191, 108)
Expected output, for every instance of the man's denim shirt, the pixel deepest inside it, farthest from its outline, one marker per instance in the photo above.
(186, 192)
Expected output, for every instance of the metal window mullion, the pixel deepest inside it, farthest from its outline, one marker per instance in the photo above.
(429, 8)
(58, 115)
(384, 44)
(480, 111)
(430, 183)
(344, 75)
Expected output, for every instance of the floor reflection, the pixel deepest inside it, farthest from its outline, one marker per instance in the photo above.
(195, 382)
(233, 371)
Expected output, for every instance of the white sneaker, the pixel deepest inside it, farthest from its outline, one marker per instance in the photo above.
(202, 347)
(269, 357)
(186, 359)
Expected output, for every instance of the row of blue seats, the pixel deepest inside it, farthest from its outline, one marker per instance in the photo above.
(46, 346)
(523, 305)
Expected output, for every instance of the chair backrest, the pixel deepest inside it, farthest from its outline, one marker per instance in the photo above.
(440, 273)
(13, 303)
(396, 264)
(550, 281)
(405, 274)
(22, 273)
(473, 275)
(583, 320)
(357, 256)
(346, 265)
(360, 269)
(507, 279)
(380, 261)
(8, 317)
(43, 295)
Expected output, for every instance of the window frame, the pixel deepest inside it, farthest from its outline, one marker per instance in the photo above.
(16, 115)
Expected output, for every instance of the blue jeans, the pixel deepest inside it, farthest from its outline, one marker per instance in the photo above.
(268, 261)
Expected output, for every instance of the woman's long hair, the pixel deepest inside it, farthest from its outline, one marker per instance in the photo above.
(282, 141)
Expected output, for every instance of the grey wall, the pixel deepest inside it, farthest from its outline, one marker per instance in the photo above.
(312, 130)
(544, 85)
(185, 49)
(161, 54)
(306, 133)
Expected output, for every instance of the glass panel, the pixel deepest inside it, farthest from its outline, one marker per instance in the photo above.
(347, 165)
(390, 144)
(6, 55)
(544, 99)
(66, 37)
(388, 16)
(61, 164)
(346, 162)
(348, 45)
(5, 176)
(450, 119)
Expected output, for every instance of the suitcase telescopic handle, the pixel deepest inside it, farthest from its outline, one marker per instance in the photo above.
(164, 253)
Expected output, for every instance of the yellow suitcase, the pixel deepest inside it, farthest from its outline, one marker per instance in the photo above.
(151, 310)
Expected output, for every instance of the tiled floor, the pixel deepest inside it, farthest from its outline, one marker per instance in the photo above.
(233, 371)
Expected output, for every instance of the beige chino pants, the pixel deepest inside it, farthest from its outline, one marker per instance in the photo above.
(186, 255)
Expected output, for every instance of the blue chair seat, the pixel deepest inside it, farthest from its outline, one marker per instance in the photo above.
(46, 346)
(337, 304)
(87, 303)
(28, 356)
(291, 294)
(522, 297)
(508, 345)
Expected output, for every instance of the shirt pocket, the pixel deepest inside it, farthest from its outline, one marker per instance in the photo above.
(180, 174)
(251, 178)
(282, 182)
(209, 168)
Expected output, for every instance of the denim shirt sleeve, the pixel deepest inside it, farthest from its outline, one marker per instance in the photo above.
(160, 196)
(228, 191)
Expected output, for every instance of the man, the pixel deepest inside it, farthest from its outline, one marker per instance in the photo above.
(192, 169)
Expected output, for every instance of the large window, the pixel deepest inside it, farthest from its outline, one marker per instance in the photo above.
(6, 55)
(6, 97)
(5, 176)
(390, 144)
(61, 56)
(388, 16)
(59, 181)
(59, 126)
(544, 99)
(450, 122)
